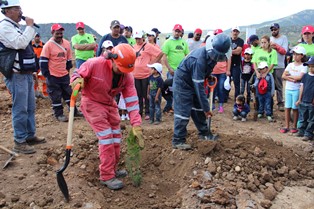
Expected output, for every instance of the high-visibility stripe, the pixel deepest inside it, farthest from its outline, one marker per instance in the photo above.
(198, 81)
(109, 141)
(42, 60)
(104, 132)
(180, 116)
(56, 105)
(29, 61)
(135, 107)
(131, 99)
(117, 131)
(68, 100)
(200, 110)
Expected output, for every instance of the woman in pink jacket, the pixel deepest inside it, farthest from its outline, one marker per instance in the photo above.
(101, 79)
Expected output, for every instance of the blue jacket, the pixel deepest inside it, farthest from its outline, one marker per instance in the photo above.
(190, 75)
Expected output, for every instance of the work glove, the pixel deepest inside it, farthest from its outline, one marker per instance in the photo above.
(77, 81)
(138, 133)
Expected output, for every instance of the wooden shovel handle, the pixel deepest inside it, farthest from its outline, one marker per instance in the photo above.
(8, 151)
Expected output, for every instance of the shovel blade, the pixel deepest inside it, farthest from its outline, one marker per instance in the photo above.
(8, 161)
(63, 186)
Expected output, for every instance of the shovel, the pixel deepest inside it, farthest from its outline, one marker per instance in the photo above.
(12, 155)
(210, 100)
(60, 179)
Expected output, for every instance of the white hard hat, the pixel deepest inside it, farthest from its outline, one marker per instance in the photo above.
(9, 3)
(107, 44)
(157, 66)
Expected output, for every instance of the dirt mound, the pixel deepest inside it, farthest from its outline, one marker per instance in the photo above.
(248, 167)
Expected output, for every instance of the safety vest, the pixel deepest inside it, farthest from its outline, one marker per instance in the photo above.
(38, 48)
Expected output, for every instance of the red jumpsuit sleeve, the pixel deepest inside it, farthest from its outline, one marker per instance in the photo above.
(131, 100)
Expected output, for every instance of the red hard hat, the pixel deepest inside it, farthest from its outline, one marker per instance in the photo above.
(126, 56)
(217, 31)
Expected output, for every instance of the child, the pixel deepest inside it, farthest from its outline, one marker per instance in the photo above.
(240, 108)
(293, 75)
(264, 88)
(154, 93)
(167, 95)
(247, 72)
(306, 103)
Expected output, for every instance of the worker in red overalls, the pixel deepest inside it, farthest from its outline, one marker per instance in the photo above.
(101, 79)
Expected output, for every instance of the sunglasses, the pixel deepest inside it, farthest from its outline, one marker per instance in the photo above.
(5, 3)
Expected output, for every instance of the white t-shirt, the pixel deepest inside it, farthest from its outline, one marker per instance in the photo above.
(294, 71)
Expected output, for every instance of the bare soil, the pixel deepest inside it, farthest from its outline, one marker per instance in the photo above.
(252, 165)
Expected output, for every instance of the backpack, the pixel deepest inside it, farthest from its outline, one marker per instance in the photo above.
(262, 86)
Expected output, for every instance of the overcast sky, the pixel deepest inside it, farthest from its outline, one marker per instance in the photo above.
(163, 14)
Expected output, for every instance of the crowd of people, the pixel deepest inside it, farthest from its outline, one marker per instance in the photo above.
(121, 78)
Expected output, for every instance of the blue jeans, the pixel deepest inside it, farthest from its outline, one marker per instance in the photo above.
(154, 107)
(186, 104)
(21, 87)
(236, 77)
(242, 114)
(306, 121)
(168, 105)
(220, 89)
(79, 62)
(264, 103)
(245, 84)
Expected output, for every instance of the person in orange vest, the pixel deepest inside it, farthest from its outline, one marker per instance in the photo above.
(38, 47)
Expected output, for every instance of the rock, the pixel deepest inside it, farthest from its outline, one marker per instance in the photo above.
(251, 186)
(266, 203)
(2, 196)
(283, 170)
(196, 185)
(42, 159)
(272, 161)
(212, 167)
(266, 176)
(2, 203)
(237, 169)
(293, 174)
(207, 160)
(278, 186)
(52, 161)
(258, 152)
(270, 193)
(15, 198)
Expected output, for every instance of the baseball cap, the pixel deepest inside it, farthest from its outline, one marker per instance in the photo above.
(138, 34)
(217, 31)
(262, 65)
(9, 3)
(37, 35)
(106, 44)
(80, 25)
(129, 28)
(299, 50)
(56, 27)
(114, 23)
(178, 27)
(248, 51)
(252, 38)
(157, 66)
(235, 28)
(122, 26)
(309, 62)
(307, 29)
(274, 25)
(198, 30)
(151, 33)
(156, 30)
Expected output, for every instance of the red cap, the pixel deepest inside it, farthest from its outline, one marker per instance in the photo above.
(217, 31)
(80, 25)
(56, 27)
(198, 30)
(308, 29)
(178, 27)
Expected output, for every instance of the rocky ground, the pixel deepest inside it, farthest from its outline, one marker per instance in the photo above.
(251, 166)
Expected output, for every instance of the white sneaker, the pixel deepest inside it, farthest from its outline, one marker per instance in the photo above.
(235, 117)
(127, 117)
(123, 117)
(243, 119)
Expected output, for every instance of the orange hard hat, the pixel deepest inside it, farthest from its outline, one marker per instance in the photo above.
(125, 57)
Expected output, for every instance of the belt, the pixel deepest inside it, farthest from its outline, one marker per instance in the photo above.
(23, 72)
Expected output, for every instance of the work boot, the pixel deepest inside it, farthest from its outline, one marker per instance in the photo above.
(209, 137)
(35, 140)
(182, 146)
(23, 148)
(78, 114)
(121, 173)
(113, 183)
(62, 118)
